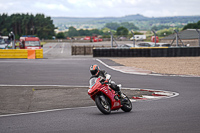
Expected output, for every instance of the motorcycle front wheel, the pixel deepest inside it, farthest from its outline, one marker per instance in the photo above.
(127, 107)
(103, 104)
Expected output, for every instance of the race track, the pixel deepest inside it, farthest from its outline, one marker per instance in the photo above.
(179, 114)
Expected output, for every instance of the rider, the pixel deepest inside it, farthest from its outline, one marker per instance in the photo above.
(96, 72)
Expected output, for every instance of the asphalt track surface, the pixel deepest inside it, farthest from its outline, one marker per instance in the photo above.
(179, 114)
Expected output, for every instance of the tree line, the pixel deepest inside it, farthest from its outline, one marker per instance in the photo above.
(123, 31)
(43, 27)
(105, 32)
(27, 24)
(192, 26)
(114, 26)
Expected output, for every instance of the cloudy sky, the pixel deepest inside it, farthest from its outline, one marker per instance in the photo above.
(102, 8)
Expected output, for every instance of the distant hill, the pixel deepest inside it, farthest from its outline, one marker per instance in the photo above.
(144, 23)
(105, 19)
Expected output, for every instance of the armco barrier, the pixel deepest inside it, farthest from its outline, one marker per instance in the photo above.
(31, 54)
(13, 53)
(39, 53)
(147, 52)
(19, 53)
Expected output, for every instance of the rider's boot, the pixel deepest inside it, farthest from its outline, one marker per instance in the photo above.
(121, 95)
(119, 92)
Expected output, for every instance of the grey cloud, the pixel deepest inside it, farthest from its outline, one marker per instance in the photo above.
(102, 8)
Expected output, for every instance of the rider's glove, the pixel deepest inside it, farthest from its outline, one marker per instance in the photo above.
(106, 81)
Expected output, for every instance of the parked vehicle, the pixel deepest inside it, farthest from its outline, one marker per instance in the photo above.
(145, 44)
(139, 37)
(87, 38)
(93, 39)
(3, 44)
(122, 38)
(29, 42)
(126, 45)
(96, 39)
(163, 45)
(106, 99)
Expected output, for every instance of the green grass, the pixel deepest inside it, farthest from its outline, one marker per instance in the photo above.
(42, 43)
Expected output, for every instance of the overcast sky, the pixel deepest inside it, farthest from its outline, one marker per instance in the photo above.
(102, 8)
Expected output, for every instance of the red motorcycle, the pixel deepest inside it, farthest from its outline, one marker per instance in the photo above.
(106, 98)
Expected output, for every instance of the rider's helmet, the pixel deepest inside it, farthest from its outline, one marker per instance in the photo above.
(94, 69)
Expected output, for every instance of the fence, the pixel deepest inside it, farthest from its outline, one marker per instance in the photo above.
(66, 40)
(83, 50)
(78, 40)
(146, 52)
(192, 42)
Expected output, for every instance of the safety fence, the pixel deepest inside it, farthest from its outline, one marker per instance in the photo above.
(83, 50)
(147, 52)
(21, 53)
(66, 40)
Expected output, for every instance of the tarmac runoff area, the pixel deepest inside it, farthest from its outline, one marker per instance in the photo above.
(26, 99)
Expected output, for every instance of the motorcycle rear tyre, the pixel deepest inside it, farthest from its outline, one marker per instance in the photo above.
(101, 107)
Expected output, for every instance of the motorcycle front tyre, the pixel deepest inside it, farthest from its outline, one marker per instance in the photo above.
(103, 107)
(127, 107)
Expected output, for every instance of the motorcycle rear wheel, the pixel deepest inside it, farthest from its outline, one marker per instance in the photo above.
(103, 106)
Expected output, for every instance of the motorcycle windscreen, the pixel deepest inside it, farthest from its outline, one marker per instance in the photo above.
(92, 82)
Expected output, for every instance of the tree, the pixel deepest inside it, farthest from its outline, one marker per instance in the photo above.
(105, 30)
(129, 26)
(25, 24)
(122, 31)
(192, 26)
(60, 35)
(81, 32)
(96, 32)
(165, 32)
(160, 27)
(112, 26)
(138, 33)
(72, 32)
(4, 25)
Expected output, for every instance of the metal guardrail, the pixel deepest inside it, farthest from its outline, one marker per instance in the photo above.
(19, 53)
(39, 53)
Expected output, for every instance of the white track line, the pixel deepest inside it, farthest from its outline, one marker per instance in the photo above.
(112, 67)
(46, 85)
(50, 48)
(62, 48)
(44, 111)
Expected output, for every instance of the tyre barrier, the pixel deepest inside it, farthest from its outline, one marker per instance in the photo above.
(147, 52)
(21, 53)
